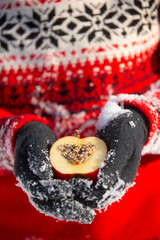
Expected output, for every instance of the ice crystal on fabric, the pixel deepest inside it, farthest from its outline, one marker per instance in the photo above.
(109, 112)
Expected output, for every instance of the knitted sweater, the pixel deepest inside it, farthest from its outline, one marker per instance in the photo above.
(62, 60)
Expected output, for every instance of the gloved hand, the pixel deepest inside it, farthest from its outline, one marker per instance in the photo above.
(125, 136)
(76, 200)
(34, 173)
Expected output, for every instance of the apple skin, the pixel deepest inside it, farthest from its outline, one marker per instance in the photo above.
(91, 175)
(89, 172)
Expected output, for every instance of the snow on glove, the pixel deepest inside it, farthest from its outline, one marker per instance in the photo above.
(33, 170)
(125, 135)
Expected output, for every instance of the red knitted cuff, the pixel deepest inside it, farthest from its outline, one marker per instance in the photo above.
(150, 111)
(4, 114)
(8, 133)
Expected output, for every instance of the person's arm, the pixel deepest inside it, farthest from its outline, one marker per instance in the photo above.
(9, 126)
(129, 125)
(34, 173)
(149, 106)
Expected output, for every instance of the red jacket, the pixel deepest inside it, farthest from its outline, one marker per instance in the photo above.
(60, 63)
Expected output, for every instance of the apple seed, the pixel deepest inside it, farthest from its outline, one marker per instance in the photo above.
(77, 154)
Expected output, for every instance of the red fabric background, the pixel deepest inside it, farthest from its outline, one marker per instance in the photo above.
(136, 217)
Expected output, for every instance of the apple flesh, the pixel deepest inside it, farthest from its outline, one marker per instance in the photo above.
(71, 156)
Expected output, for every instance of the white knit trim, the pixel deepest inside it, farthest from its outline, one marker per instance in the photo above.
(100, 48)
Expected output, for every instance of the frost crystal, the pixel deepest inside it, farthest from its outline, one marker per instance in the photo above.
(64, 209)
(110, 111)
(132, 124)
(57, 188)
(81, 187)
(40, 165)
(55, 198)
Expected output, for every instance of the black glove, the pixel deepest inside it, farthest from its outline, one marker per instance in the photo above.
(34, 173)
(76, 200)
(125, 136)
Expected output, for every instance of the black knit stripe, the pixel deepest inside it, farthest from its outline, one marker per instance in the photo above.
(48, 26)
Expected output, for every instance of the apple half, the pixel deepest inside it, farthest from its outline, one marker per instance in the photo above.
(71, 156)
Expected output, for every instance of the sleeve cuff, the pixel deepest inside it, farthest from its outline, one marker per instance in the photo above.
(8, 133)
(145, 106)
